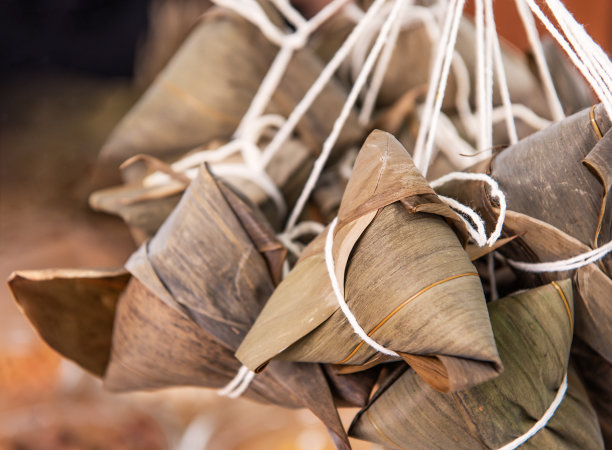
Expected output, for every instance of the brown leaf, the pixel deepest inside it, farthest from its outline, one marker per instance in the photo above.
(400, 268)
(533, 334)
(72, 310)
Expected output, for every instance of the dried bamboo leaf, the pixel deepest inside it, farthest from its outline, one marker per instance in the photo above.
(142, 209)
(568, 166)
(351, 389)
(549, 163)
(533, 331)
(407, 299)
(72, 310)
(593, 311)
(596, 374)
(207, 87)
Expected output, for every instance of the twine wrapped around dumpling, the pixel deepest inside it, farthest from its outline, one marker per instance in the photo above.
(533, 331)
(207, 87)
(405, 276)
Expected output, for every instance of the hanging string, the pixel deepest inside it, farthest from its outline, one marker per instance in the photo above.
(478, 234)
(435, 95)
(520, 112)
(603, 93)
(481, 94)
(563, 265)
(503, 84)
(381, 69)
(554, 104)
(239, 383)
(589, 51)
(489, 40)
(289, 43)
(346, 109)
(454, 147)
(250, 169)
(326, 74)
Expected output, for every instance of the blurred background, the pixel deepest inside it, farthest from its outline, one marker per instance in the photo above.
(69, 70)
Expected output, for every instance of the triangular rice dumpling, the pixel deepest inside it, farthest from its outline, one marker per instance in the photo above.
(208, 270)
(533, 331)
(405, 277)
(557, 185)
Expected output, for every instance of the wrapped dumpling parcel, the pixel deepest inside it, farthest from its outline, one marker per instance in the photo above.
(404, 274)
(533, 330)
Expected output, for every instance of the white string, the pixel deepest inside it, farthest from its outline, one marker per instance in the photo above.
(267, 88)
(239, 383)
(250, 170)
(326, 74)
(304, 228)
(346, 109)
(591, 54)
(543, 420)
(564, 264)
(290, 13)
(495, 192)
(522, 112)
(261, 179)
(478, 234)
(454, 147)
(583, 43)
(246, 146)
(288, 44)
(554, 104)
(596, 84)
(233, 384)
(481, 95)
(435, 95)
(381, 69)
(489, 40)
(252, 11)
(425, 16)
(331, 272)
